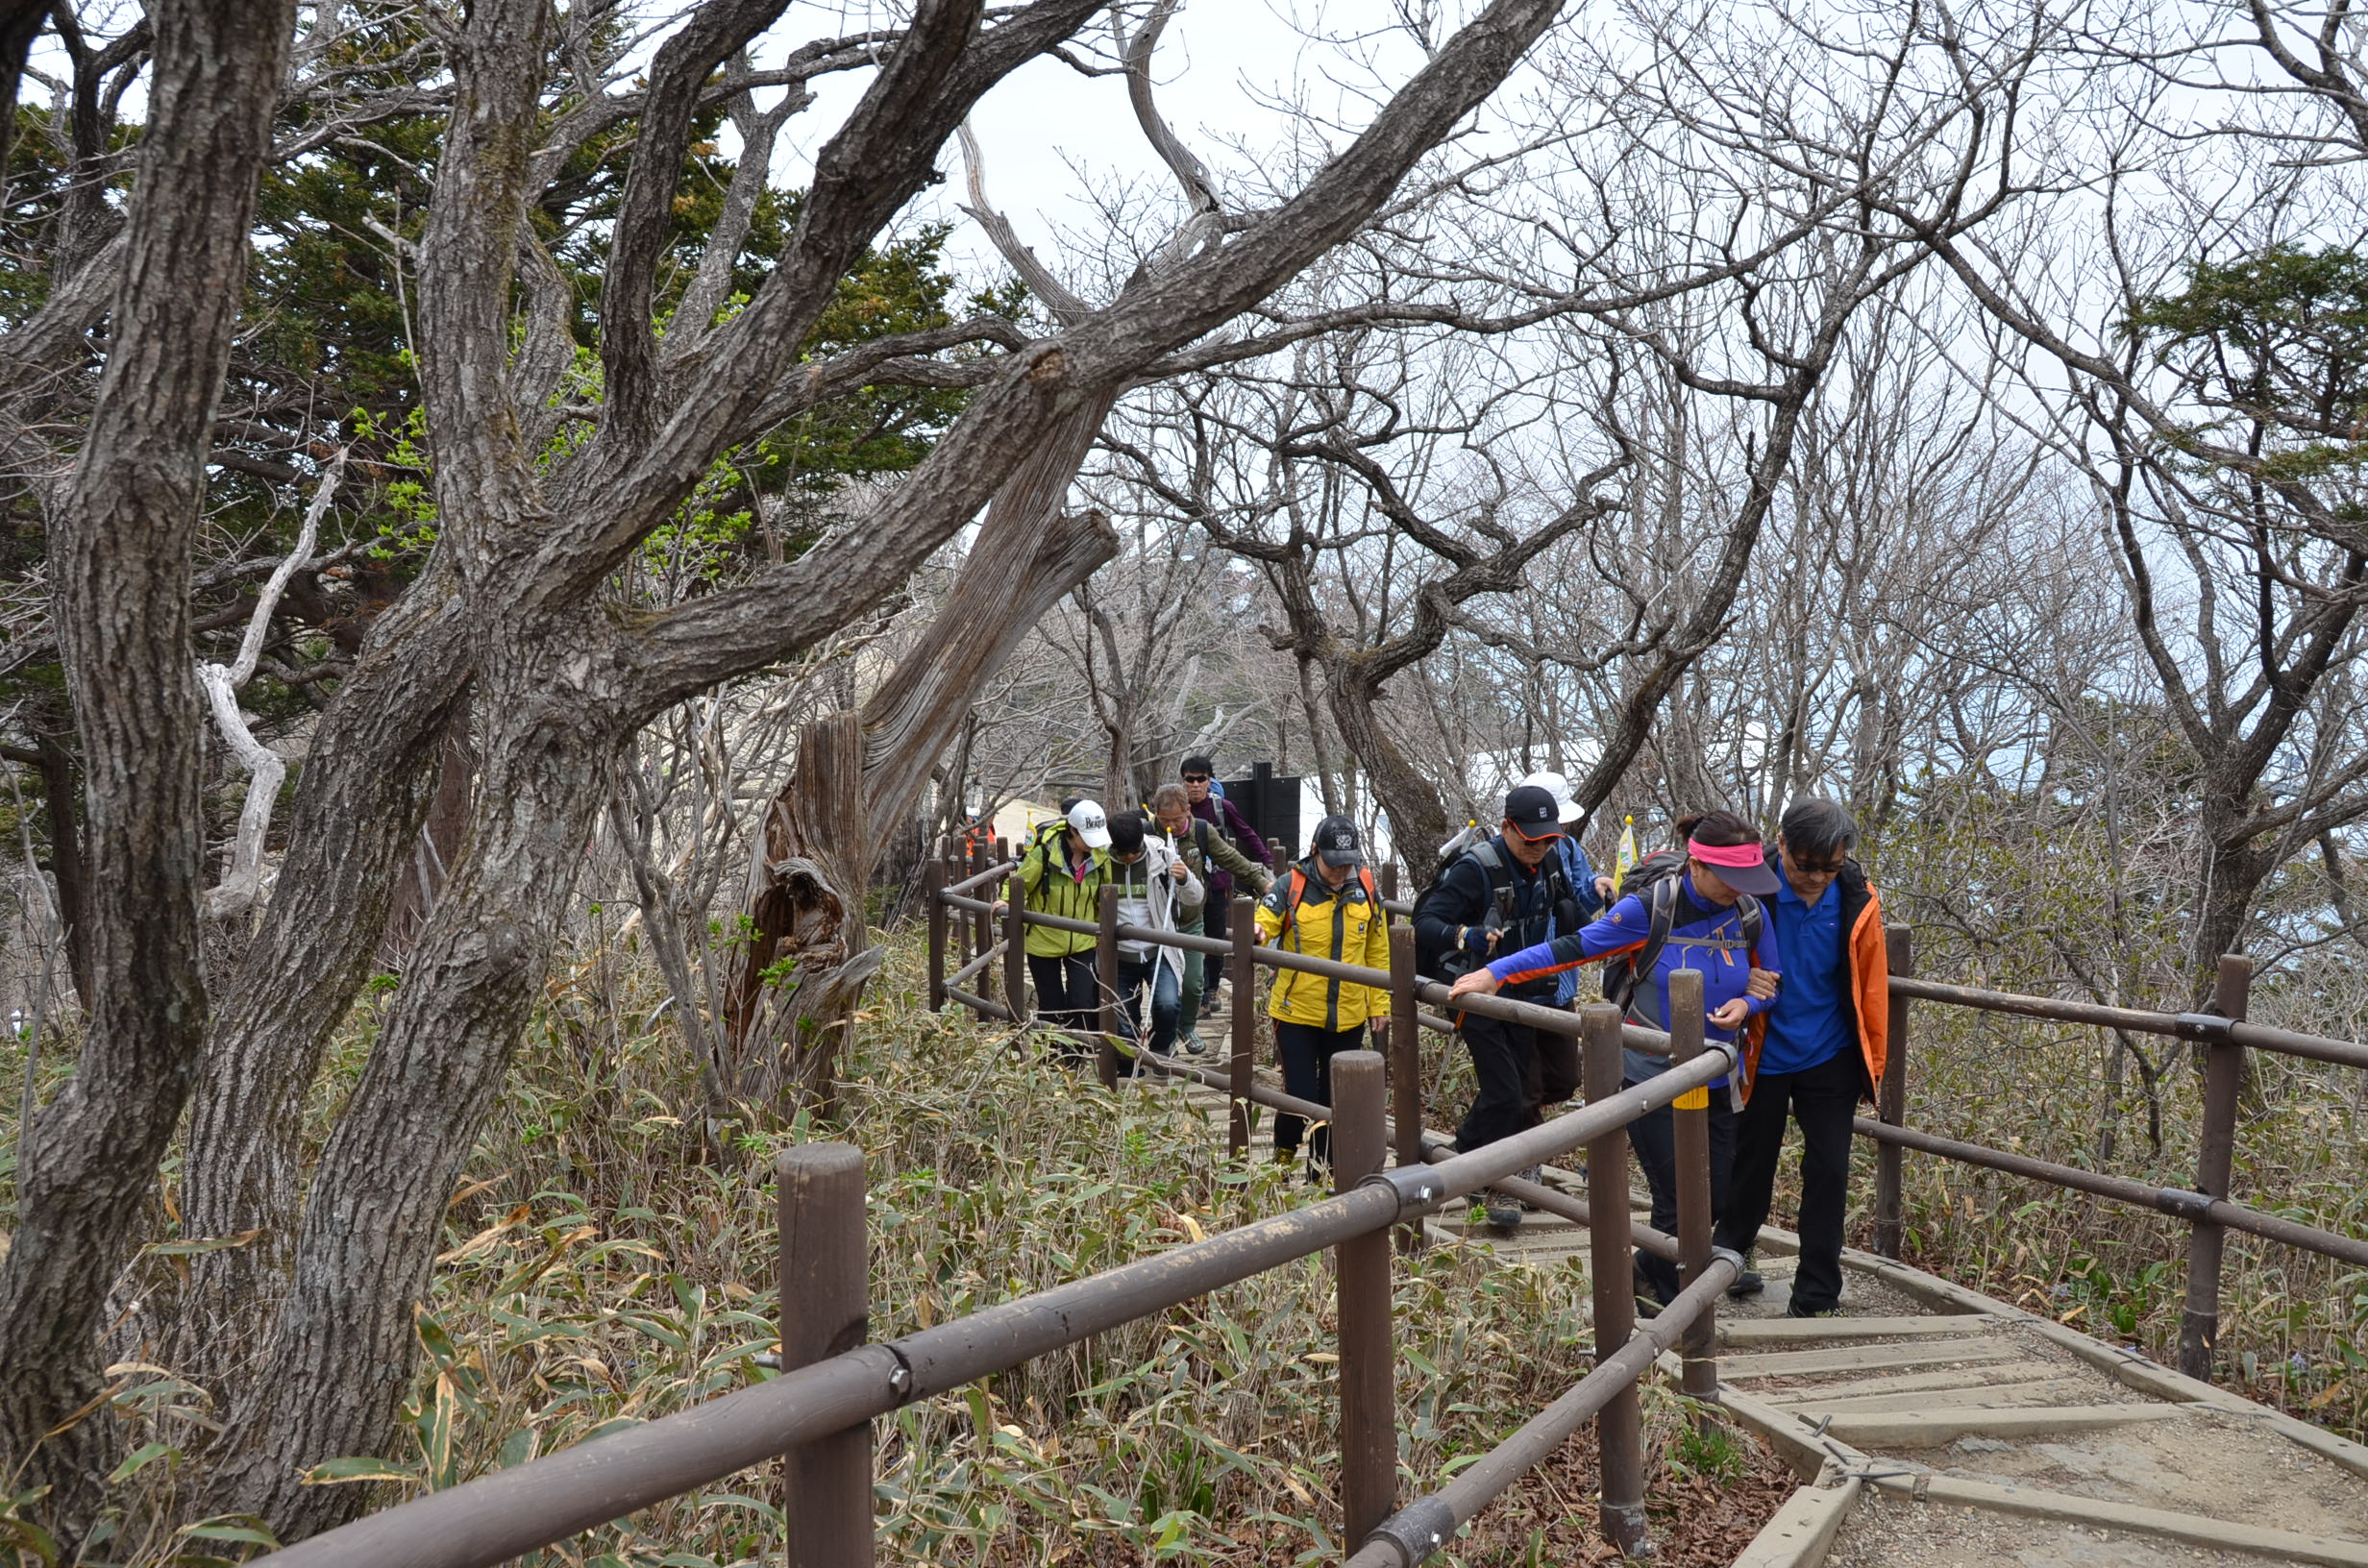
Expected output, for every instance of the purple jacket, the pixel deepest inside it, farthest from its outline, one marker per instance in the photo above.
(1227, 818)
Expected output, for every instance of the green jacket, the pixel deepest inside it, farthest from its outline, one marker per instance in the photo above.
(1051, 885)
(1204, 850)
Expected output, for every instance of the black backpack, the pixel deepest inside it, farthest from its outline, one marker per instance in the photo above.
(1434, 960)
(1656, 881)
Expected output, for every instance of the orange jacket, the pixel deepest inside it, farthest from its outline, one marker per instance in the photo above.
(1870, 991)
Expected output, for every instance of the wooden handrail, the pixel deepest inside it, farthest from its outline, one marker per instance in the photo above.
(495, 1518)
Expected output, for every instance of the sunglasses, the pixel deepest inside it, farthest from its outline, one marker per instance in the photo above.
(1196, 778)
(1807, 869)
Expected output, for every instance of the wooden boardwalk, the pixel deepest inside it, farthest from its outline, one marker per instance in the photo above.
(1937, 1427)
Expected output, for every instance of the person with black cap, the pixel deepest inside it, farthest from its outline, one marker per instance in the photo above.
(1695, 911)
(1506, 893)
(1324, 906)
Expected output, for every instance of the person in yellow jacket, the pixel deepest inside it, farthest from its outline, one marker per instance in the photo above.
(1324, 906)
(1062, 873)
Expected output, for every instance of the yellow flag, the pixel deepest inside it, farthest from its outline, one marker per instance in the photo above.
(1627, 856)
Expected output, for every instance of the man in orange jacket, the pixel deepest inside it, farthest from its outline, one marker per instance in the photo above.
(1823, 1050)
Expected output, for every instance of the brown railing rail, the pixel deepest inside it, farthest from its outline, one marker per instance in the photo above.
(817, 1413)
(2223, 1034)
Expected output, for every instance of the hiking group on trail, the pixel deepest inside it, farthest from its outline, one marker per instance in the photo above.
(1788, 938)
(1807, 1032)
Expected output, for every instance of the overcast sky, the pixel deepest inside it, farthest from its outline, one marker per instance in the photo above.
(1221, 67)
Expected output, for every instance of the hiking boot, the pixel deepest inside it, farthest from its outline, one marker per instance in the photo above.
(1749, 1283)
(1503, 1212)
(1189, 1039)
(1532, 1174)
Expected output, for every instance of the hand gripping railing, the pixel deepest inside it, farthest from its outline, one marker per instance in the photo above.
(833, 1384)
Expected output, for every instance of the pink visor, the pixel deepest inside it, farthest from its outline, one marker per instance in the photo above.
(1737, 855)
(1740, 866)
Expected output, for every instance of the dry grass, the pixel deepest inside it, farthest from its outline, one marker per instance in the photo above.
(597, 1275)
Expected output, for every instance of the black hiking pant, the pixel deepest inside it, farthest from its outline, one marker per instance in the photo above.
(1067, 996)
(1823, 1099)
(1520, 1070)
(1307, 1050)
(1654, 1138)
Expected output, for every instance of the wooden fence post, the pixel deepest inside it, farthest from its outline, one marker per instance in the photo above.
(1405, 1050)
(934, 885)
(1245, 933)
(1690, 1132)
(997, 888)
(2224, 1077)
(975, 924)
(1106, 981)
(1014, 949)
(826, 1296)
(1891, 1100)
(1368, 1401)
(1619, 1441)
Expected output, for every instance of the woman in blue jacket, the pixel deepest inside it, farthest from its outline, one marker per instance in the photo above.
(1711, 929)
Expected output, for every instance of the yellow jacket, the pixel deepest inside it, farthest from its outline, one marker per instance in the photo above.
(1054, 885)
(1346, 926)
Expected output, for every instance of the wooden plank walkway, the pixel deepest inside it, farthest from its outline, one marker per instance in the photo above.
(1937, 1427)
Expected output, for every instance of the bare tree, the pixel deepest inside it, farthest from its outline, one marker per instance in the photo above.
(515, 608)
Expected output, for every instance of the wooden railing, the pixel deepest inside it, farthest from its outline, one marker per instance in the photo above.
(2225, 1034)
(819, 1412)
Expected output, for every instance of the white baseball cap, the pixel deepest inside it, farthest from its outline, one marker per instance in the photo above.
(1557, 785)
(1092, 825)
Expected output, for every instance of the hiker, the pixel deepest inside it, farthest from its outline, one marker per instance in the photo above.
(1156, 890)
(1324, 906)
(1594, 891)
(1823, 1048)
(1207, 854)
(1504, 894)
(1062, 873)
(1695, 910)
(1208, 803)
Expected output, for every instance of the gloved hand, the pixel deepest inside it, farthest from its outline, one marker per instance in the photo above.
(1480, 941)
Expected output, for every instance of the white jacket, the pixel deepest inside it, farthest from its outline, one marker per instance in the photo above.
(1149, 896)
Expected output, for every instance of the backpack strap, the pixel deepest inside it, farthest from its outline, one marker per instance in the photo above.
(1500, 879)
(1294, 890)
(1661, 906)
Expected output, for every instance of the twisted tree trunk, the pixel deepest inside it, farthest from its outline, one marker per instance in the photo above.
(120, 541)
(859, 773)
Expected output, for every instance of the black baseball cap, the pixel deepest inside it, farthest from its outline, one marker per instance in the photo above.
(1337, 842)
(1534, 812)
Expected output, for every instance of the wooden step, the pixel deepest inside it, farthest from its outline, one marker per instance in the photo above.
(2030, 1395)
(1888, 1430)
(1963, 1376)
(1786, 1331)
(1786, 1363)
